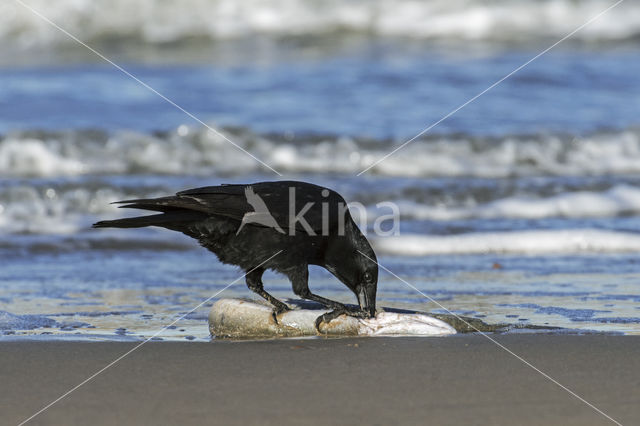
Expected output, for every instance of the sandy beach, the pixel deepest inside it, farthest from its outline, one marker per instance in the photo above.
(444, 381)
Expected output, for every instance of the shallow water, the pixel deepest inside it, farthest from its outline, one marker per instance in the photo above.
(521, 208)
(131, 293)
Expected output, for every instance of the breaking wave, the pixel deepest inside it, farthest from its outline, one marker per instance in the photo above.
(60, 182)
(517, 242)
(159, 22)
(25, 209)
(67, 208)
(193, 151)
(619, 200)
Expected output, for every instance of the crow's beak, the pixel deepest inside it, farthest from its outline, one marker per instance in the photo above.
(367, 302)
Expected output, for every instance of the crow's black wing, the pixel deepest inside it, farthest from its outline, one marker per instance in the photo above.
(319, 207)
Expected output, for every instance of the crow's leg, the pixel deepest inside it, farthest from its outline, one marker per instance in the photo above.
(254, 282)
(300, 281)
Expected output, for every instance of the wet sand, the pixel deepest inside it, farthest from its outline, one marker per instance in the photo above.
(458, 380)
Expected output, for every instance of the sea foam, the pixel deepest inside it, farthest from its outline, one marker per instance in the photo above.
(517, 242)
(198, 151)
(616, 201)
(160, 22)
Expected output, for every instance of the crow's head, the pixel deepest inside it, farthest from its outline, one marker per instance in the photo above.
(367, 278)
(352, 260)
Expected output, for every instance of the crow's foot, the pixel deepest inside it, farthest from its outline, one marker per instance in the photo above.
(278, 309)
(329, 316)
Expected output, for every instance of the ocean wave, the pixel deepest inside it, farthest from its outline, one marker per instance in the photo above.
(521, 242)
(62, 208)
(196, 151)
(158, 22)
(617, 201)
(517, 242)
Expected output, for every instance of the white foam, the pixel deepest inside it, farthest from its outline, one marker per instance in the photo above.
(67, 209)
(616, 201)
(160, 22)
(521, 242)
(26, 209)
(197, 151)
(33, 157)
(598, 154)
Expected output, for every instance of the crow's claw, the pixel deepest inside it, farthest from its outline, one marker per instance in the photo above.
(329, 316)
(277, 310)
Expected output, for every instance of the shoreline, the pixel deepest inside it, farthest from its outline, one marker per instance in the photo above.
(499, 329)
(461, 379)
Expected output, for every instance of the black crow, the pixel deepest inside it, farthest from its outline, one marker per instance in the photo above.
(245, 225)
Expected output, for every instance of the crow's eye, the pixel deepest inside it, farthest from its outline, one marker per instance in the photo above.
(367, 277)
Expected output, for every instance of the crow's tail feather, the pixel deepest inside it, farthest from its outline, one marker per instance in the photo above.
(165, 220)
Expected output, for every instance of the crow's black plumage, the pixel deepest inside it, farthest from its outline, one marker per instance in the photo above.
(246, 225)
